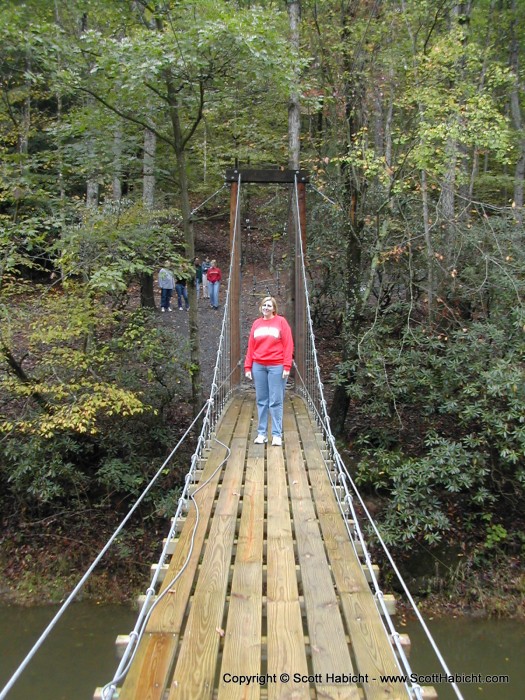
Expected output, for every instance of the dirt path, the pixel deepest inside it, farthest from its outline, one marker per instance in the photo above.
(210, 320)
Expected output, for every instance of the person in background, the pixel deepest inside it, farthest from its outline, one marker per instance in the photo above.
(198, 276)
(268, 362)
(214, 279)
(182, 293)
(167, 285)
(205, 267)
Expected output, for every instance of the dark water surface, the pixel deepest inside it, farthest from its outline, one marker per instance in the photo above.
(473, 647)
(79, 654)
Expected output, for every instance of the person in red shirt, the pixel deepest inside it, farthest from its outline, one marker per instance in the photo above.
(268, 362)
(214, 278)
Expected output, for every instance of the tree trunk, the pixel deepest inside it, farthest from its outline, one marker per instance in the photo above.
(148, 182)
(189, 241)
(515, 108)
(294, 106)
(429, 246)
(353, 183)
(147, 294)
(92, 187)
(92, 193)
(117, 164)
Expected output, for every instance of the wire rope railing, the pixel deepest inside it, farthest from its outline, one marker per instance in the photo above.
(221, 389)
(309, 384)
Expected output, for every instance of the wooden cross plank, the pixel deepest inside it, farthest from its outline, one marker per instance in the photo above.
(274, 175)
(370, 642)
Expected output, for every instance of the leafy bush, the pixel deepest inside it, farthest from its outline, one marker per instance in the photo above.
(87, 399)
(439, 427)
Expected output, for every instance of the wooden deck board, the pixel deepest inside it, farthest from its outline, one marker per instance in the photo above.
(371, 646)
(203, 631)
(242, 641)
(285, 636)
(155, 655)
(329, 649)
(149, 672)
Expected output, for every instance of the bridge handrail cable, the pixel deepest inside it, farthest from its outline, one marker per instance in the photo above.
(221, 389)
(312, 390)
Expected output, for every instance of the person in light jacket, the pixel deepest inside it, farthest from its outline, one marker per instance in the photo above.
(268, 362)
(167, 285)
(206, 264)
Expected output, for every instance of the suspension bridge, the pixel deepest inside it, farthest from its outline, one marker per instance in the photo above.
(265, 587)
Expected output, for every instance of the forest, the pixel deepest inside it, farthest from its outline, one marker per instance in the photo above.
(118, 118)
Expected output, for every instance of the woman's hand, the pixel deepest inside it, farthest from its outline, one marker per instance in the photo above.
(248, 374)
(286, 373)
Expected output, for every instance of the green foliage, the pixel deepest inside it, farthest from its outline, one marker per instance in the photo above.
(445, 426)
(85, 391)
(114, 245)
(496, 534)
(42, 470)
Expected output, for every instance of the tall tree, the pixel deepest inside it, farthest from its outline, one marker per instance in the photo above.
(516, 98)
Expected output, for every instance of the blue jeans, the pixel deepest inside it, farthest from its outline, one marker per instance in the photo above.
(165, 297)
(269, 393)
(182, 293)
(213, 288)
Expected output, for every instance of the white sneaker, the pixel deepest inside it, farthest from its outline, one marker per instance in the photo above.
(169, 308)
(163, 310)
(277, 441)
(260, 439)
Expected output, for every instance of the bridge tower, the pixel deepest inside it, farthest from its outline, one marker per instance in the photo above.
(296, 308)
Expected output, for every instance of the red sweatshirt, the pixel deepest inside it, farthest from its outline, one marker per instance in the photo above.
(270, 343)
(214, 274)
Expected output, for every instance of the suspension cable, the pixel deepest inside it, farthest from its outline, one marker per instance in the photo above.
(95, 562)
(194, 211)
(331, 201)
(312, 382)
(221, 389)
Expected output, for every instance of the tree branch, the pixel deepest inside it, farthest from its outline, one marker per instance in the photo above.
(197, 118)
(17, 369)
(128, 117)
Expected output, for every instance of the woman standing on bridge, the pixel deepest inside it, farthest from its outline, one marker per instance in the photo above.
(268, 362)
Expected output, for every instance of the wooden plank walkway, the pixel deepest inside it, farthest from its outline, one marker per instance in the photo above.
(273, 602)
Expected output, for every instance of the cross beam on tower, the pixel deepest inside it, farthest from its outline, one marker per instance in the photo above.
(267, 176)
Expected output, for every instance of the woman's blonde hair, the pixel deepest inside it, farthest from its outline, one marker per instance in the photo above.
(274, 304)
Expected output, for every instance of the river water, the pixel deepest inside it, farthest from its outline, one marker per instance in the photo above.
(472, 647)
(79, 654)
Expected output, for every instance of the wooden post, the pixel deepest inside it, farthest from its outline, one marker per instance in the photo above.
(300, 301)
(235, 288)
